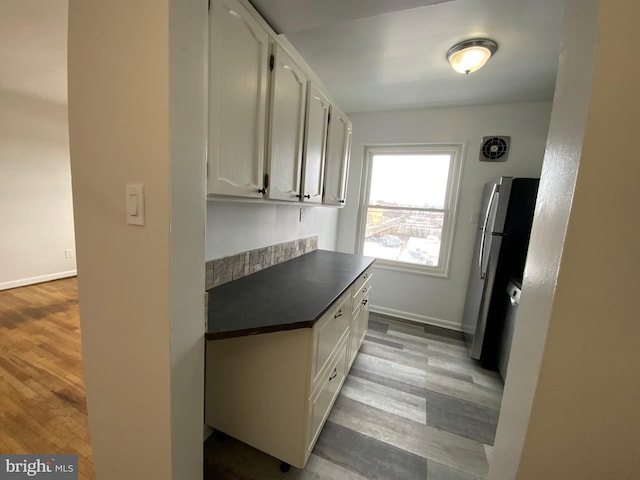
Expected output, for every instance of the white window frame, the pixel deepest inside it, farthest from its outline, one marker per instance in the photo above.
(450, 209)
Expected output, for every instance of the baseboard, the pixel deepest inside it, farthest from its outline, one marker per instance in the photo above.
(414, 317)
(39, 279)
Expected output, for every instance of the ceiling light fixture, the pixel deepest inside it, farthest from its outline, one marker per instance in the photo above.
(471, 55)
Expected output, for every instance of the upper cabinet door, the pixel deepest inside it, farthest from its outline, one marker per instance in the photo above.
(315, 145)
(238, 73)
(286, 127)
(337, 161)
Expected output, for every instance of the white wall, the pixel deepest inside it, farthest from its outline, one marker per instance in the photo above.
(237, 227)
(136, 115)
(36, 213)
(188, 34)
(419, 297)
(570, 406)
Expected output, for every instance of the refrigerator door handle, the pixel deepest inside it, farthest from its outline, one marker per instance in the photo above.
(487, 214)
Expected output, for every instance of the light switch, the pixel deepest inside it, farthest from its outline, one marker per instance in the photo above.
(135, 204)
(132, 205)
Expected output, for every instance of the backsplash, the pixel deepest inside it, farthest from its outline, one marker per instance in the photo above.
(226, 269)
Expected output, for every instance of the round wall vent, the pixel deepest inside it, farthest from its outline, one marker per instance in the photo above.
(494, 149)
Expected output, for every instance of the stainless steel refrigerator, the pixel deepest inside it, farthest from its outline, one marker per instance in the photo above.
(500, 252)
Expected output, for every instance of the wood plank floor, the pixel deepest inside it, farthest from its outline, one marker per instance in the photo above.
(414, 406)
(42, 396)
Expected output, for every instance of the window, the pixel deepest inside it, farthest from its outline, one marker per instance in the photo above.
(408, 206)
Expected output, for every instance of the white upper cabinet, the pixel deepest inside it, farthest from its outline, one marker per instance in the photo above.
(337, 161)
(274, 133)
(286, 127)
(238, 75)
(315, 145)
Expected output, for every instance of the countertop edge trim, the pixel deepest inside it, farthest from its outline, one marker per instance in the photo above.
(259, 330)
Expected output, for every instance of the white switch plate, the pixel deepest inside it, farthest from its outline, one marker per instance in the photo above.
(475, 218)
(68, 253)
(134, 203)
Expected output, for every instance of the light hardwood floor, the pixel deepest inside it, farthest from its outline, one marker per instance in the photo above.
(42, 396)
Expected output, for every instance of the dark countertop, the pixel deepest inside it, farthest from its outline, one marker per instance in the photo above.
(290, 295)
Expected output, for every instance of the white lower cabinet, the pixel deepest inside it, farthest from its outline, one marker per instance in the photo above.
(274, 391)
(325, 393)
(360, 313)
(327, 335)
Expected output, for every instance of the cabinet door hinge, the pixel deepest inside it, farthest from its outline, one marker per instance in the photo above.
(272, 61)
(329, 118)
(266, 181)
(209, 7)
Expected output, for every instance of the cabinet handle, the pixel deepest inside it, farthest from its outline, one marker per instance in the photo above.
(262, 190)
(338, 315)
(303, 196)
(307, 196)
(334, 374)
(341, 201)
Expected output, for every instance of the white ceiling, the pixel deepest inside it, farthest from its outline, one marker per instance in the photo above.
(376, 59)
(371, 54)
(286, 16)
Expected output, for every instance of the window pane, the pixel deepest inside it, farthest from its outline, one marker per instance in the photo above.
(409, 180)
(404, 235)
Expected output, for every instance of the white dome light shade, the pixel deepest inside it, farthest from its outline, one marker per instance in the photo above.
(471, 55)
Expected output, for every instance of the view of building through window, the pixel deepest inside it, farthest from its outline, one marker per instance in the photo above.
(404, 235)
(407, 207)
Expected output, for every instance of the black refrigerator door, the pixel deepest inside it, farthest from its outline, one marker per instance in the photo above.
(517, 227)
(510, 263)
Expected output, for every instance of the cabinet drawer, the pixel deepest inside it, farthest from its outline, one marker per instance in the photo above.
(359, 296)
(361, 288)
(359, 325)
(355, 337)
(361, 280)
(328, 332)
(320, 404)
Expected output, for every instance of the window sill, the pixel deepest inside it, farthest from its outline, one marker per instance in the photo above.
(410, 268)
